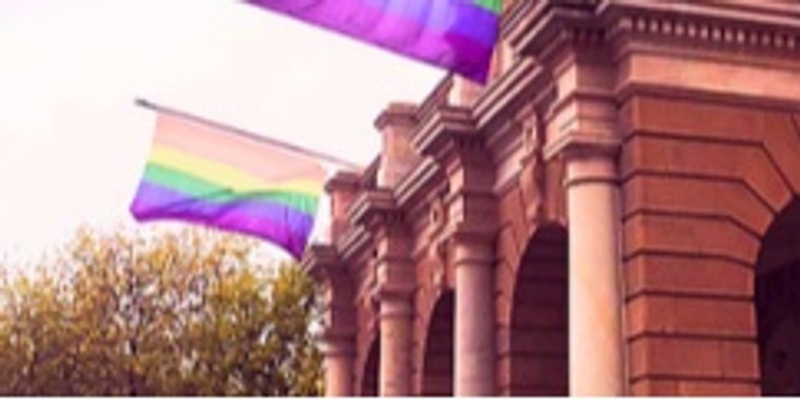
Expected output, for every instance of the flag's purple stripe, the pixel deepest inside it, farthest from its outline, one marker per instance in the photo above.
(462, 18)
(272, 221)
(354, 18)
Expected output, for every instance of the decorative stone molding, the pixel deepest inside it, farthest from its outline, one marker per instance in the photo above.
(755, 29)
(394, 272)
(712, 32)
(438, 242)
(584, 144)
(444, 132)
(533, 176)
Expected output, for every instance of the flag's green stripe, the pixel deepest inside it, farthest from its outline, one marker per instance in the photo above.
(495, 6)
(210, 192)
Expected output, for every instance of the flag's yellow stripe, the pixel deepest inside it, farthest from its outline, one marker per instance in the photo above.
(233, 178)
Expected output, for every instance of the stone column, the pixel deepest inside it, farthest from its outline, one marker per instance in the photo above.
(339, 353)
(395, 285)
(596, 346)
(474, 317)
(396, 334)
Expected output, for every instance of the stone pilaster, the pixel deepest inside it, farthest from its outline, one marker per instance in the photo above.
(449, 136)
(396, 124)
(339, 319)
(342, 189)
(394, 287)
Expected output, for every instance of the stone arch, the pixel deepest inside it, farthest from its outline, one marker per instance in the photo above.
(538, 332)
(437, 366)
(777, 301)
(369, 374)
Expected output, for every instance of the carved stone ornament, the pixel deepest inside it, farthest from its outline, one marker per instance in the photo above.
(533, 167)
(438, 243)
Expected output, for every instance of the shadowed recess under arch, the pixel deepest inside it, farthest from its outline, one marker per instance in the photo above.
(777, 301)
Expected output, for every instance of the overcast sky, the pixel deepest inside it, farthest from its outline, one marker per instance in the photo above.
(73, 144)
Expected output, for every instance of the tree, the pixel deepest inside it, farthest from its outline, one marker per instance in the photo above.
(186, 313)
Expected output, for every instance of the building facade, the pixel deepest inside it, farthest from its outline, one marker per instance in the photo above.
(616, 213)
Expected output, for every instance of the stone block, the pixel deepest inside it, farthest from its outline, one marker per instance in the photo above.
(687, 275)
(688, 235)
(716, 318)
(685, 195)
(675, 357)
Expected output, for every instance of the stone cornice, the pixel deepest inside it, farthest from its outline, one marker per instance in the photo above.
(379, 213)
(510, 92)
(343, 181)
(547, 24)
(397, 114)
(374, 208)
(416, 183)
(715, 26)
(354, 243)
(436, 98)
(745, 13)
(369, 177)
(442, 133)
(541, 28)
(319, 260)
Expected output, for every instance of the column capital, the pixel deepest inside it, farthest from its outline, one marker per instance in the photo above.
(470, 247)
(590, 157)
(394, 304)
(581, 144)
(395, 280)
(337, 343)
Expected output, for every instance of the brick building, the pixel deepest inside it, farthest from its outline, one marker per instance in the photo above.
(616, 212)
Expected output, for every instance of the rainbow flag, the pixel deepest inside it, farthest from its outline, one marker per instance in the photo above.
(458, 35)
(203, 173)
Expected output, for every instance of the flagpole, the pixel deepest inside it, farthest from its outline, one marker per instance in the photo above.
(250, 135)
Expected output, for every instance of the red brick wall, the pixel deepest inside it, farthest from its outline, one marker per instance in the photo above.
(701, 184)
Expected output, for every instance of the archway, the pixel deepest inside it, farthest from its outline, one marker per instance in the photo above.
(437, 372)
(777, 298)
(369, 377)
(538, 331)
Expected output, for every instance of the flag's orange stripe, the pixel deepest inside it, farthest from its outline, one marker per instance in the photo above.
(239, 152)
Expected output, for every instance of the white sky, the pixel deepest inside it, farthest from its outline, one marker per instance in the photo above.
(73, 144)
